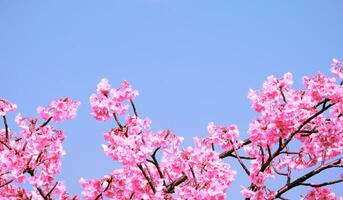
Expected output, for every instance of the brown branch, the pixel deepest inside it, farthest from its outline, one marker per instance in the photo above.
(283, 145)
(269, 151)
(147, 178)
(170, 188)
(98, 196)
(229, 152)
(289, 174)
(5, 173)
(52, 189)
(46, 122)
(283, 95)
(42, 193)
(262, 152)
(240, 160)
(4, 184)
(242, 157)
(155, 162)
(134, 108)
(193, 174)
(278, 172)
(300, 180)
(107, 187)
(4, 143)
(289, 153)
(117, 120)
(307, 132)
(321, 102)
(6, 126)
(322, 184)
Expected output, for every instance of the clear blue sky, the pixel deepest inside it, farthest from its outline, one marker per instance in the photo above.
(192, 61)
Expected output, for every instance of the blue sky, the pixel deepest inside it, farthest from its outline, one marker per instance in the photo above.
(192, 61)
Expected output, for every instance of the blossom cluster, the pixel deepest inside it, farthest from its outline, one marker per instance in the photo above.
(190, 173)
(109, 101)
(6, 106)
(311, 116)
(33, 155)
(297, 131)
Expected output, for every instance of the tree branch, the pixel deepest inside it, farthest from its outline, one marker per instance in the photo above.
(8, 147)
(229, 152)
(323, 184)
(117, 121)
(172, 185)
(107, 187)
(46, 122)
(283, 145)
(147, 178)
(52, 189)
(6, 126)
(283, 95)
(134, 108)
(155, 162)
(242, 157)
(240, 160)
(193, 174)
(42, 193)
(6, 183)
(300, 180)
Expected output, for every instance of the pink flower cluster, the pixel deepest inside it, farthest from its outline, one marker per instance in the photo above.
(321, 193)
(59, 110)
(6, 106)
(296, 129)
(224, 136)
(109, 101)
(337, 68)
(191, 173)
(311, 116)
(33, 155)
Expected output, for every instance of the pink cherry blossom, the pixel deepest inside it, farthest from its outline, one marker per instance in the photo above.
(320, 194)
(111, 100)
(296, 135)
(337, 68)
(6, 106)
(33, 155)
(59, 110)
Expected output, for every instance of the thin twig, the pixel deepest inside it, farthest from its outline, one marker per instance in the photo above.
(8, 147)
(262, 152)
(147, 178)
(46, 122)
(117, 121)
(134, 108)
(4, 184)
(283, 95)
(42, 193)
(229, 152)
(300, 180)
(193, 174)
(242, 157)
(52, 189)
(322, 184)
(155, 162)
(6, 126)
(107, 187)
(283, 145)
(239, 159)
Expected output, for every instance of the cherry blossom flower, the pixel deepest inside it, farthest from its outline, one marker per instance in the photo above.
(6, 106)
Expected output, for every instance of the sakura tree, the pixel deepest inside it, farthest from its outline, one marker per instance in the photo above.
(297, 135)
